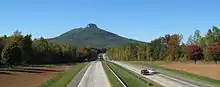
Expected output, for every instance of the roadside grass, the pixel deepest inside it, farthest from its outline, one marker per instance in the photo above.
(181, 73)
(62, 79)
(112, 79)
(129, 79)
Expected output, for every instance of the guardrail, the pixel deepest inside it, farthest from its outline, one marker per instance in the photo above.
(119, 79)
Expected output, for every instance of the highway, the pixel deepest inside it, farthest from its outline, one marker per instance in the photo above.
(161, 79)
(94, 76)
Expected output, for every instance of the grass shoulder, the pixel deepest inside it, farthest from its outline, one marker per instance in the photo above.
(129, 79)
(62, 79)
(112, 79)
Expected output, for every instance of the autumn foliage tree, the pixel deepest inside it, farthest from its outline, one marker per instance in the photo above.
(215, 51)
(171, 48)
(194, 52)
(172, 43)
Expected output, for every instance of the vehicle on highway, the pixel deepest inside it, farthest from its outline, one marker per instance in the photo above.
(148, 71)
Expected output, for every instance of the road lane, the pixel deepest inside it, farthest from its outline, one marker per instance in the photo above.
(76, 80)
(95, 76)
(159, 78)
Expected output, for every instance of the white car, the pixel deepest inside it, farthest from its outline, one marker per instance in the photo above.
(148, 71)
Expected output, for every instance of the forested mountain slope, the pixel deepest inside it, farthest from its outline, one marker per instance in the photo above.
(92, 36)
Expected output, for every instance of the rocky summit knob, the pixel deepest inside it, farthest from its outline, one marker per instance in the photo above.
(91, 25)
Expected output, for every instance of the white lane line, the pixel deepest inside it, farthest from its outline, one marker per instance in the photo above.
(128, 66)
(136, 70)
(183, 82)
(82, 81)
(168, 77)
(94, 83)
(93, 75)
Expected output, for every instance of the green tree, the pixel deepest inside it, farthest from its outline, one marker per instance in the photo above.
(17, 33)
(27, 49)
(41, 51)
(190, 40)
(197, 37)
(2, 43)
(209, 37)
(216, 33)
(11, 54)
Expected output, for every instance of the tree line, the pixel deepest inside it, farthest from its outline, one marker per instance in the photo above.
(171, 48)
(19, 49)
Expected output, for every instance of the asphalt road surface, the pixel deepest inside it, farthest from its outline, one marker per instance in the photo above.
(94, 76)
(162, 79)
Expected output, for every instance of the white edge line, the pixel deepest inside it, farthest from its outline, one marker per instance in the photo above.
(116, 76)
(179, 81)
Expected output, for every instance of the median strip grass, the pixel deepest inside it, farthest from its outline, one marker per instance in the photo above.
(63, 78)
(182, 74)
(129, 79)
(113, 80)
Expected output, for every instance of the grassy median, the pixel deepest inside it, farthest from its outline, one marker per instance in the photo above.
(183, 74)
(129, 79)
(63, 79)
(113, 80)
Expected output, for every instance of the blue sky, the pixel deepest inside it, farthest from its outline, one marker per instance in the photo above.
(138, 19)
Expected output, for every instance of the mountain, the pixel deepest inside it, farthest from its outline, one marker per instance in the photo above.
(92, 36)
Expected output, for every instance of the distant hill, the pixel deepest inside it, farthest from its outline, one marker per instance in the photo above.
(92, 36)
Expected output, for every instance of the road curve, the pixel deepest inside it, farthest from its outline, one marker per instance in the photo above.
(162, 79)
(95, 76)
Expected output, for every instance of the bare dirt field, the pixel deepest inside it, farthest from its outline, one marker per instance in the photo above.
(28, 76)
(208, 70)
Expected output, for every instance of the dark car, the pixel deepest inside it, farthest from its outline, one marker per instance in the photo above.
(145, 72)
